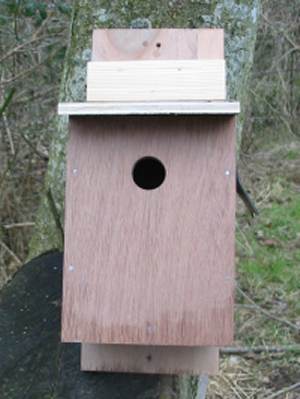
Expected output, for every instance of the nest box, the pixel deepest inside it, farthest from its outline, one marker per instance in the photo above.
(148, 282)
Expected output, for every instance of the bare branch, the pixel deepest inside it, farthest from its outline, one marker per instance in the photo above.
(9, 134)
(35, 37)
(265, 312)
(11, 253)
(284, 391)
(18, 225)
(244, 350)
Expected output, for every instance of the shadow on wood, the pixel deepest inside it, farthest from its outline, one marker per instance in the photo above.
(34, 364)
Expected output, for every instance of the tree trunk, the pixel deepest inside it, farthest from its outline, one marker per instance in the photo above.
(239, 20)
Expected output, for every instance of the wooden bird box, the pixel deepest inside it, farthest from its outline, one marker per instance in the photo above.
(148, 281)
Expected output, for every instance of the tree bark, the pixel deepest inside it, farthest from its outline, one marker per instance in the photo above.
(239, 20)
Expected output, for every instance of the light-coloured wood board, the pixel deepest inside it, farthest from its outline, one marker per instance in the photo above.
(169, 80)
(157, 44)
(150, 267)
(150, 108)
(150, 359)
(210, 44)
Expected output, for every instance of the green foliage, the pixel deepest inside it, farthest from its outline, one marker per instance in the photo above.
(274, 241)
(37, 10)
(292, 155)
(7, 100)
(275, 91)
(33, 40)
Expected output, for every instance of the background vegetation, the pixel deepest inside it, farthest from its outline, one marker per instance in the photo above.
(33, 40)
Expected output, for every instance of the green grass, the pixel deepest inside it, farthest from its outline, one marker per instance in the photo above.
(267, 310)
(268, 268)
(274, 240)
(292, 154)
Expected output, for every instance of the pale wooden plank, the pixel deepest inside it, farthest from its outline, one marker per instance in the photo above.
(150, 108)
(210, 44)
(150, 267)
(158, 44)
(156, 80)
(150, 359)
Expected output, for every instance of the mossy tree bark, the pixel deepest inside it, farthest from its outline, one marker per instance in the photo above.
(237, 17)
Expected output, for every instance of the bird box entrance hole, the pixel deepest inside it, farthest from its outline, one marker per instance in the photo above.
(148, 173)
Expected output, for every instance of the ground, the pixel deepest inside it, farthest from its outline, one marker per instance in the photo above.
(268, 272)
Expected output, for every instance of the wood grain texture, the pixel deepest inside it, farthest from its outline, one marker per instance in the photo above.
(149, 359)
(157, 44)
(150, 267)
(151, 108)
(171, 80)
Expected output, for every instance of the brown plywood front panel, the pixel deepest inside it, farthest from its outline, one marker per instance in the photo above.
(150, 267)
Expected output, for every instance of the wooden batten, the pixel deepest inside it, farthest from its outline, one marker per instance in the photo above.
(170, 80)
(150, 359)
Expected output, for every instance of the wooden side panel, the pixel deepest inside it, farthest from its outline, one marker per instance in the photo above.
(156, 81)
(149, 359)
(150, 267)
(157, 44)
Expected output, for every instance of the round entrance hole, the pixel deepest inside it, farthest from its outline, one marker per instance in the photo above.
(148, 173)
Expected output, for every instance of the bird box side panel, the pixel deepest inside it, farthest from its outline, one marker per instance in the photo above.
(150, 267)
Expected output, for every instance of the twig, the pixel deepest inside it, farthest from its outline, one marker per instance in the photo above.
(41, 154)
(246, 242)
(242, 350)
(232, 386)
(284, 390)
(282, 31)
(265, 312)
(55, 213)
(33, 39)
(20, 46)
(244, 306)
(17, 225)
(9, 134)
(275, 112)
(22, 74)
(19, 100)
(3, 108)
(29, 70)
(3, 175)
(11, 253)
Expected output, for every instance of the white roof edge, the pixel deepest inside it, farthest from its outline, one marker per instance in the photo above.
(151, 108)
